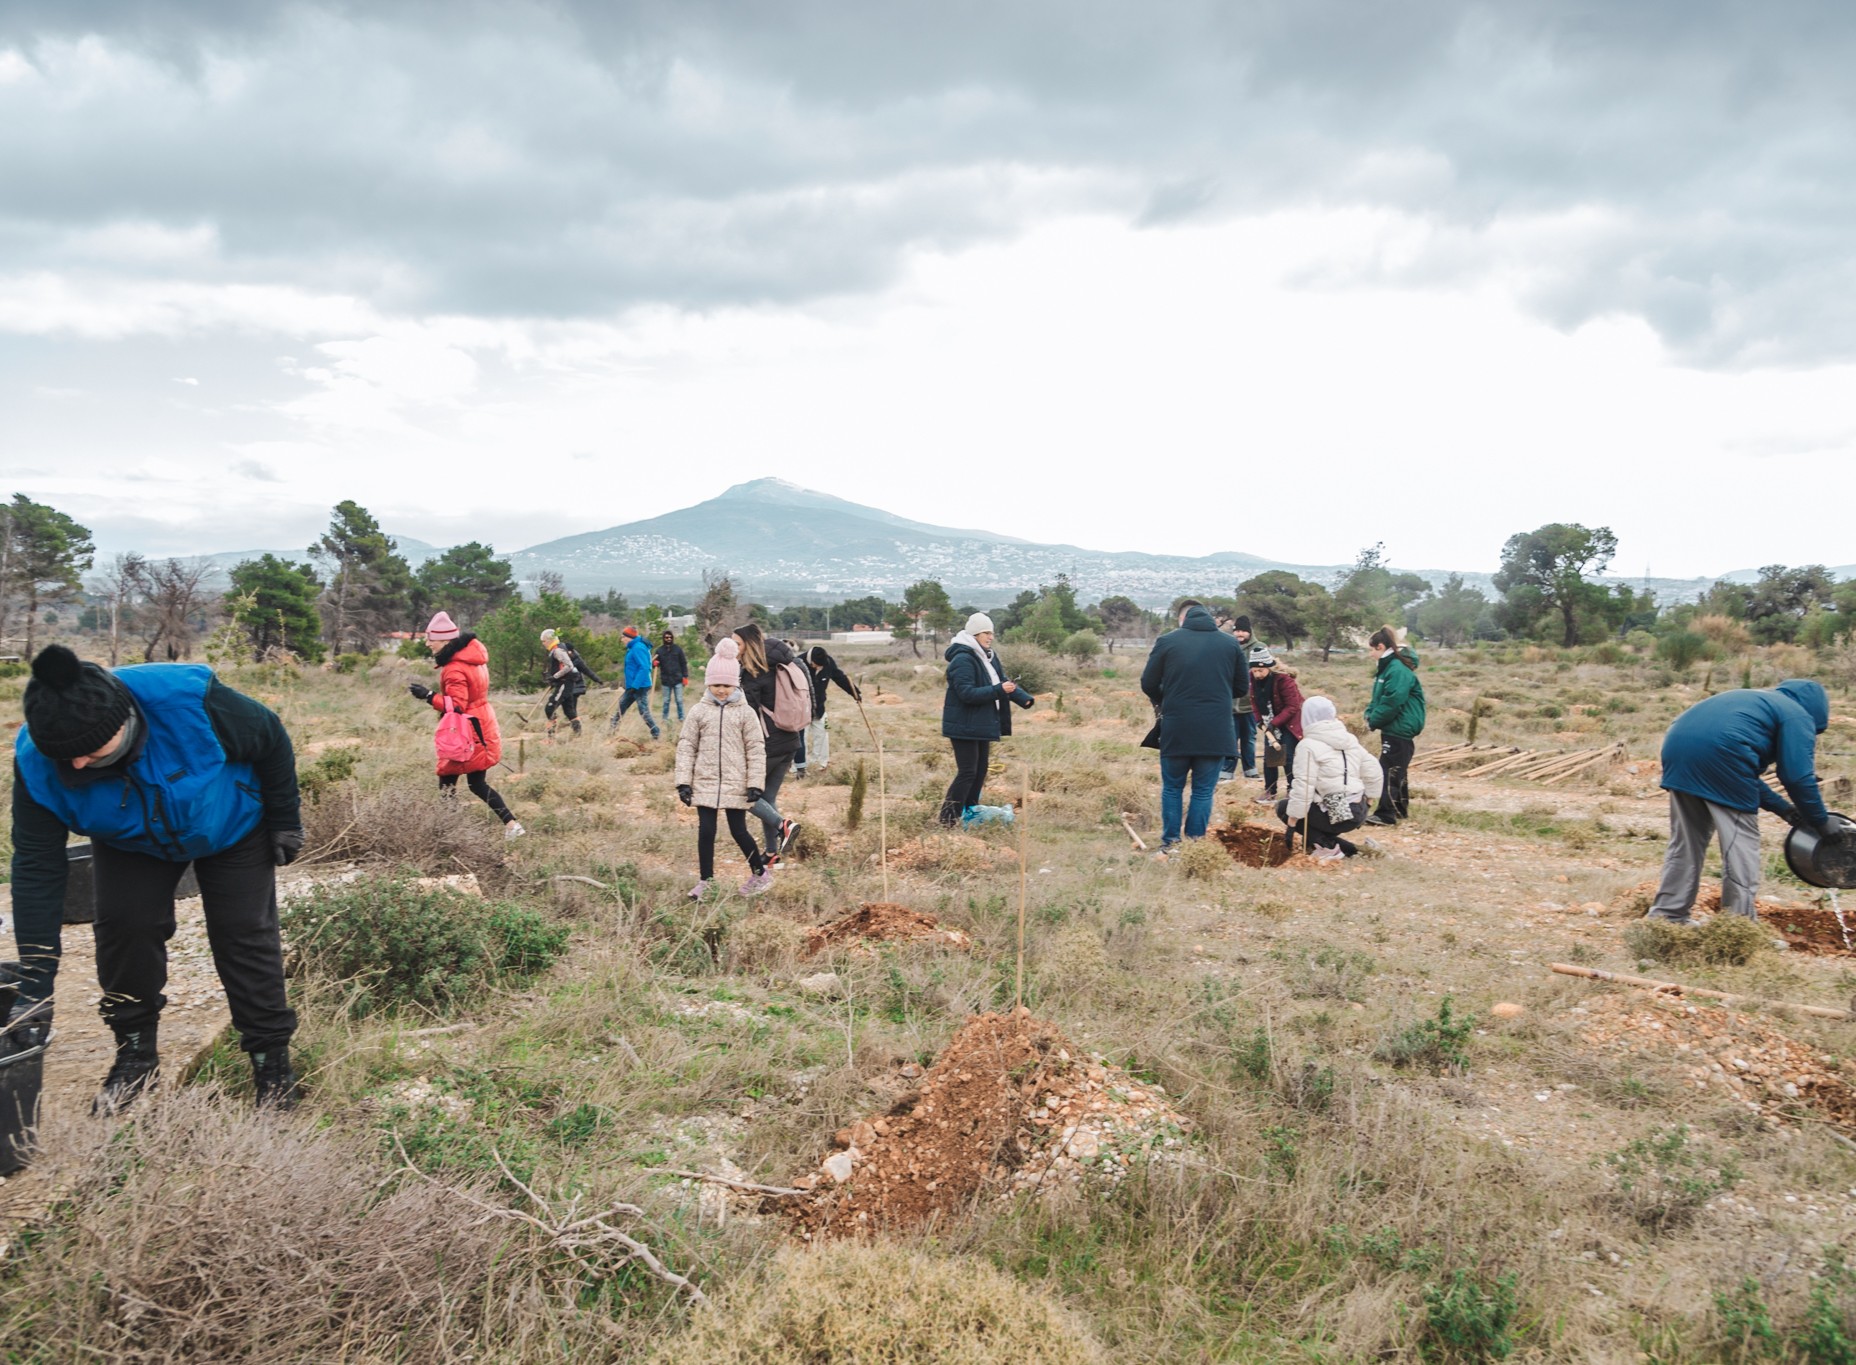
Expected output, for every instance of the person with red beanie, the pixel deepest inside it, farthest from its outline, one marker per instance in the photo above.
(637, 682)
(464, 682)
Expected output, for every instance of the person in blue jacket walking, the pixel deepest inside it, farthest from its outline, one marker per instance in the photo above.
(1713, 756)
(161, 765)
(637, 682)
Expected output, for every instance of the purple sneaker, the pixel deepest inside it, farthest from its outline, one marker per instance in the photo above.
(757, 883)
(698, 891)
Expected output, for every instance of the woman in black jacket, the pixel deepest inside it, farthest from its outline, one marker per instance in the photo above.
(761, 659)
(975, 713)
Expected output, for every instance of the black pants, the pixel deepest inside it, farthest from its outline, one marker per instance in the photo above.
(480, 788)
(1322, 832)
(737, 829)
(566, 700)
(1288, 741)
(1395, 757)
(135, 920)
(971, 757)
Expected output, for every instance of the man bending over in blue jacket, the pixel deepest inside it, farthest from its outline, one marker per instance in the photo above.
(1713, 756)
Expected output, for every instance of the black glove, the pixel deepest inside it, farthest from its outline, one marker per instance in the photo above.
(754, 794)
(686, 793)
(420, 690)
(285, 845)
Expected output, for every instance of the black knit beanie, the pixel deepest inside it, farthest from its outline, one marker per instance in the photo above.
(73, 708)
(1242, 623)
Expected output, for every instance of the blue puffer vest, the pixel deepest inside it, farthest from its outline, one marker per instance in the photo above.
(179, 800)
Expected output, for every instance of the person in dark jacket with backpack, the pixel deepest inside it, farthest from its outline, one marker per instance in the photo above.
(162, 766)
(637, 683)
(568, 676)
(1713, 756)
(1194, 676)
(975, 715)
(816, 749)
(673, 673)
(780, 689)
(1396, 711)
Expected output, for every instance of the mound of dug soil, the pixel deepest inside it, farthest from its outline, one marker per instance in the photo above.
(1008, 1105)
(1805, 928)
(1254, 845)
(1740, 1054)
(883, 922)
(950, 853)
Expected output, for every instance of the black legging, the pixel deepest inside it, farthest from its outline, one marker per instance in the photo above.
(566, 699)
(1287, 739)
(971, 757)
(1395, 753)
(737, 829)
(480, 788)
(1322, 832)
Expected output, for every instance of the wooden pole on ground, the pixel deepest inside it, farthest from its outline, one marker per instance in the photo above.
(1676, 988)
(1024, 810)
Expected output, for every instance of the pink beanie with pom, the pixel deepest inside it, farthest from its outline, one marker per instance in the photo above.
(725, 667)
(442, 628)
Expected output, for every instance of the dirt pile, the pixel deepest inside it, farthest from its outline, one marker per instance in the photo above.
(882, 922)
(1805, 928)
(1737, 1054)
(950, 853)
(1254, 845)
(1008, 1105)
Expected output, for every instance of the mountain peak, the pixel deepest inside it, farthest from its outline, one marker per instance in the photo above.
(768, 490)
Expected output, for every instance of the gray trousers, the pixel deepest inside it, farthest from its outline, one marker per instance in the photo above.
(1692, 822)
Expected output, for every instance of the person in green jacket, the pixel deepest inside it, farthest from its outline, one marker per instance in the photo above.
(1396, 711)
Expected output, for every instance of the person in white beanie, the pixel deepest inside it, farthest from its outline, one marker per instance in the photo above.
(975, 715)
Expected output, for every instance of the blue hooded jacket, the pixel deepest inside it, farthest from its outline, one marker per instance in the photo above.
(638, 663)
(1718, 748)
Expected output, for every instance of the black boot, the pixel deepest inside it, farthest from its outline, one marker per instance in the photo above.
(576, 726)
(133, 1071)
(274, 1079)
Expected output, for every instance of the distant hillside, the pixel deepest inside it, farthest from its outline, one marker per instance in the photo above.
(416, 552)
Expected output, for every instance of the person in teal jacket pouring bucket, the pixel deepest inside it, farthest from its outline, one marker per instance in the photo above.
(1713, 758)
(161, 765)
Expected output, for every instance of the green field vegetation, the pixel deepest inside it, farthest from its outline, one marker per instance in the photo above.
(1373, 1173)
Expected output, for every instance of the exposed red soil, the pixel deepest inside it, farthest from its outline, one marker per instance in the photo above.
(1805, 928)
(1007, 1105)
(883, 922)
(1254, 845)
(1739, 1054)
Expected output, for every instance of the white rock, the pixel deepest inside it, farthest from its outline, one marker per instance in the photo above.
(821, 983)
(838, 1166)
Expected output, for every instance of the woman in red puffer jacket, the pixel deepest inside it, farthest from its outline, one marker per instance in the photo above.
(464, 680)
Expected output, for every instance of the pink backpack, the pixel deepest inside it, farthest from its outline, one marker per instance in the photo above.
(456, 737)
(792, 698)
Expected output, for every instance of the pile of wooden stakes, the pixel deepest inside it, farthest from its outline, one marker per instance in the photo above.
(1548, 766)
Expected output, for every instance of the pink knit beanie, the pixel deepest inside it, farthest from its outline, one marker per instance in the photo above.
(442, 628)
(725, 667)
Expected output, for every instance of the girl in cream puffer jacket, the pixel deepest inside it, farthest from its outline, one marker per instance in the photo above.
(1329, 759)
(722, 766)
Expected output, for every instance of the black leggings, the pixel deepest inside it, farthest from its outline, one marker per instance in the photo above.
(737, 829)
(564, 699)
(1395, 753)
(480, 788)
(971, 757)
(1322, 832)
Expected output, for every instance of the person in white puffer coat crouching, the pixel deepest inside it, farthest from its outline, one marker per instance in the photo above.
(1336, 780)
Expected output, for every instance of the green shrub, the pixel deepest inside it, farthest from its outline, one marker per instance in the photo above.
(1682, 649)
(1467, 1319)
(1744, 1329)
(1032, 669)
(1083, 646)
(330, 770)
(390, 943)
(1663, 1182)
(860, 788)
(1437, 1043)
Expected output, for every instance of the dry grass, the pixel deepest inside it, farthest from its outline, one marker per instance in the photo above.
(883, 1303)
(1723, 940)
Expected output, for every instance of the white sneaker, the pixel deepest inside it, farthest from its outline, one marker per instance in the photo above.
(1326, 855)
(513, 831)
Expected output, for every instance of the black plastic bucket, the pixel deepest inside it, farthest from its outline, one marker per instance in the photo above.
(22, 1076)
(1811, 860)
(80, 887)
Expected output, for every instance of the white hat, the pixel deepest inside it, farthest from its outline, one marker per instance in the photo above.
(979, 623)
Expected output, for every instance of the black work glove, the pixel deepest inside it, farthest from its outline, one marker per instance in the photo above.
(420, 690)
(686, 793)
(285, 845)
(754, 794)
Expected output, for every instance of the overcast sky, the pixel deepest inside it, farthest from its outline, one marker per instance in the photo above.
(1281, 276)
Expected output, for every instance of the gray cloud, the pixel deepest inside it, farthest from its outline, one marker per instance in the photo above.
(572, 158)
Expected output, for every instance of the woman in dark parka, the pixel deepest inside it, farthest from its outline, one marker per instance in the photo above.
(976, 713)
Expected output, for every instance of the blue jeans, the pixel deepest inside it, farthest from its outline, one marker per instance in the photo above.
(673, 690)
(634, 696)
(1173, 774)
(1246, 743)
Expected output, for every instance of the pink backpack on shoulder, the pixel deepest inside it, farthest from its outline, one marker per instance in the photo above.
(456, 737)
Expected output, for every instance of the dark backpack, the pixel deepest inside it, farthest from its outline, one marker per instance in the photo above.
(573, 657)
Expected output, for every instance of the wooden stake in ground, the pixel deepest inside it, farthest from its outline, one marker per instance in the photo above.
(882, 797)
(1676, 988)
(1024, 808)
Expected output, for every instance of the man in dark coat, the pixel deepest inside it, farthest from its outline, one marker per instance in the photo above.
(1194, 677)
(673, 673)
(163, 766)
(1713, 756)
